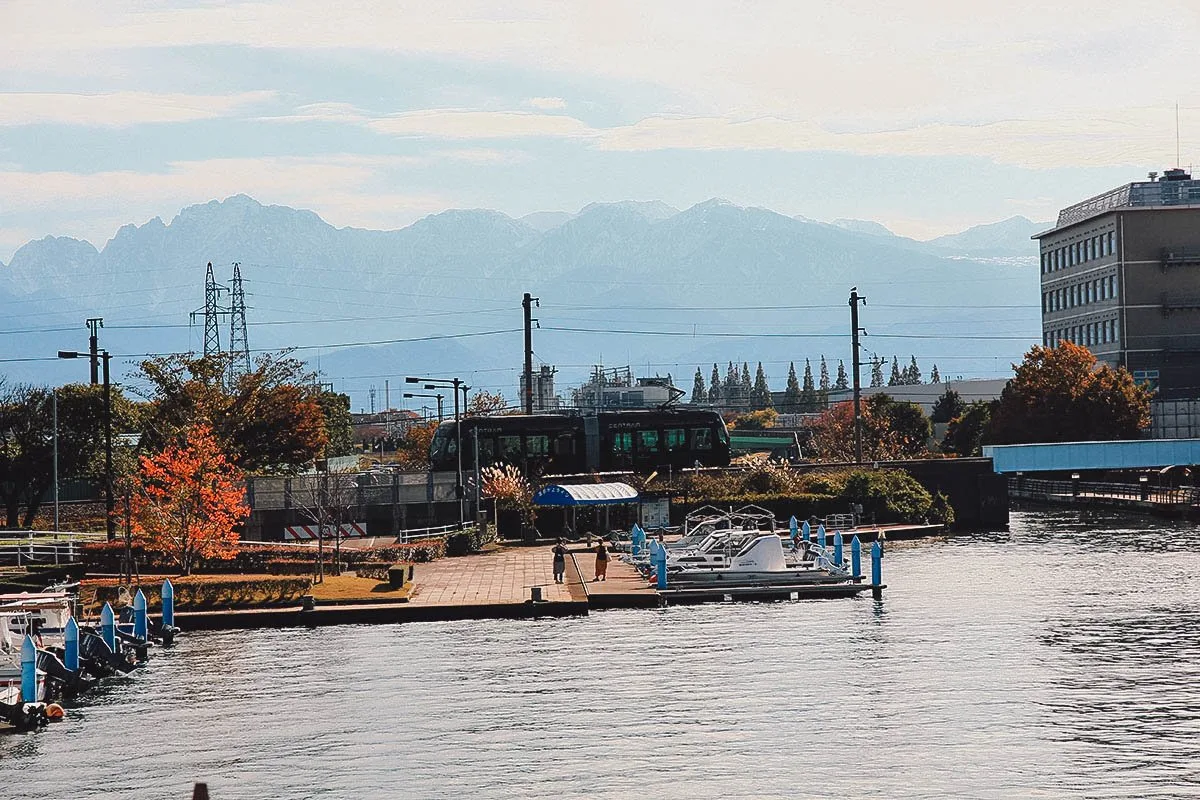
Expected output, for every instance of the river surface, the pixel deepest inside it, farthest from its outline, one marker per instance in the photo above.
(1058, 659)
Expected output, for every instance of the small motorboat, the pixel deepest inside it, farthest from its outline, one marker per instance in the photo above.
(761, 562)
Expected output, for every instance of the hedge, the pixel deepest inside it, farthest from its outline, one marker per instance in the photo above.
(199, 594)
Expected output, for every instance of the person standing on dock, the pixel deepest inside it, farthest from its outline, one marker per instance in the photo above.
(560, 560)
(601, 562)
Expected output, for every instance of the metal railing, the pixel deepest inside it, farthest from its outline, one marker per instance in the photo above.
(1035, 488)
(22, 548)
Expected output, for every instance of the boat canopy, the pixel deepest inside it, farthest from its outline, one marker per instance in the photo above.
(585, 494)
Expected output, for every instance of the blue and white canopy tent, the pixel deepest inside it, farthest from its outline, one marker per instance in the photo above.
(576, 495)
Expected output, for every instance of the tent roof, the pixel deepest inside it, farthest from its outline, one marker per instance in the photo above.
(585, 494)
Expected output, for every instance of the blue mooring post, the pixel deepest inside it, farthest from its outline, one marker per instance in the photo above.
(821, 540)
(877, 570)
(168, 604)
(141, 622)
(855, 557)
(634, 550)
(837, 548)
(108, 627)
(806, 531)
(662, 568)
(28, 670)
(71, 645)
(794, 530)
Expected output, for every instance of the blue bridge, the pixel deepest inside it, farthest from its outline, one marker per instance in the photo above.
(1074, 456)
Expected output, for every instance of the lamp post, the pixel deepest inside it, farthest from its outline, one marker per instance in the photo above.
(439, 397)
(109, 503)
(458, 385)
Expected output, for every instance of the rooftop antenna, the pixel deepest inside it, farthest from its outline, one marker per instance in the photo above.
(1177, 159)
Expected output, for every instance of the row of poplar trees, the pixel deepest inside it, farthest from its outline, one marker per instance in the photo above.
(738, 392)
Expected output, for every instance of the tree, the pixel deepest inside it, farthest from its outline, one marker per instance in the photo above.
(699, 395)
(339, 428)
(733, 387)
(808, 391)
(761, 391)
(842, 383)
(747, 389)
(823, 385)
(934, 375)
(412, 448)
(327, 498)
(965, 435)
(891, 430)
(912, 373)
(486, 404)
(266, 420)
(791, 394)
(27, 441)
(897, 377)
(756, 420)
(714, 387)
(188, 500)
(947, 407)
(877, 371)
(1060, 395)
(906, 422)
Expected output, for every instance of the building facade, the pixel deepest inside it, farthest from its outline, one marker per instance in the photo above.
(1120, 274)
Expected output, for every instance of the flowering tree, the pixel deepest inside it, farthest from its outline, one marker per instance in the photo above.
(188, 500)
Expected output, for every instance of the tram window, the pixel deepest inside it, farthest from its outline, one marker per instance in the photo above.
(676, 439)
(622, 441)
(510, 448)
(487, 450)
(701, 439)
(648, 441)
(537, 445)
(565, 445)
(451, 446)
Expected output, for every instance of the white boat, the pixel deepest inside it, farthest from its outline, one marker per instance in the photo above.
(761, 562)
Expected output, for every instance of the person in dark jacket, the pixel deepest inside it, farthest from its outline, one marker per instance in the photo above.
(560, 560)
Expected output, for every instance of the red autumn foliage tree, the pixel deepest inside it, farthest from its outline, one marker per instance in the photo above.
(1060, 395)
(891, 430)
(188, 500)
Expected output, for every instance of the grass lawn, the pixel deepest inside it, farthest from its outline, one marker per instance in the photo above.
(350, 587)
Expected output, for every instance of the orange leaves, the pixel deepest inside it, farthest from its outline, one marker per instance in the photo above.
(189, 499)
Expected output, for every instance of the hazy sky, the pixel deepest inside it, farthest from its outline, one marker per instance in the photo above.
(927, 115)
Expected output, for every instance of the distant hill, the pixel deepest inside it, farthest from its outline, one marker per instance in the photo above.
(637, 283)
(1010, 237)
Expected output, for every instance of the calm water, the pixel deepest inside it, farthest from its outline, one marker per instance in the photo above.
(1060, 659)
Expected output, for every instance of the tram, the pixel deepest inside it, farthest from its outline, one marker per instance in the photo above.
(557, 444)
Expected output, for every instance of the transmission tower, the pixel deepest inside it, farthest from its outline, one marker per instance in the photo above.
(239, 345)
(212, 313)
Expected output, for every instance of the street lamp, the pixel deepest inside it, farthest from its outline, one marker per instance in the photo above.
(109, 503)
(458, 385)
(439, 397)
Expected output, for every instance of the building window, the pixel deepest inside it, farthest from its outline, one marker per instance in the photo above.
(1112, 242)
(1113, 288)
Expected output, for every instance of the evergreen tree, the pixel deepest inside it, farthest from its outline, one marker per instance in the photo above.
(699, 395)
(808, 392)
(842, 382)
(791, 395)
(913, 372)
(714, 387)
(896, 378)
(934, 375)
(762, 392)
(877, 371)
(823, 386)
(733, 387)
(747, 383)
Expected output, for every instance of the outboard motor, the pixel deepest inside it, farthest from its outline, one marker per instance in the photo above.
(61, 682)
(23, 716)
(101, 660)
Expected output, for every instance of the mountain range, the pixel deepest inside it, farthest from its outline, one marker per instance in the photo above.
(639, 283)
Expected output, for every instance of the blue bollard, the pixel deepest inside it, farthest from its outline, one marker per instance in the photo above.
(855, 557)
(108, 627)
(806, 531)
(837, 548)
(877, 569)
(141, 619)
(28, 670)
(168, 604)
(822, 541)
(794, 530)
(634, 549)
(71, 645)
(662, 568)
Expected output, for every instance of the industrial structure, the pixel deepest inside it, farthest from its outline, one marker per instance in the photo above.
(1118, 275)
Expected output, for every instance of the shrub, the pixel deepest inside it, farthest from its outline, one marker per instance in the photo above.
(891, 495)
(198, 594)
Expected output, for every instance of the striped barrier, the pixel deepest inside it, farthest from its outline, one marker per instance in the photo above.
(309, 533)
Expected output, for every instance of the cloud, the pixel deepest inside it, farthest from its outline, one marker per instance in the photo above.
(464, 124)
(119, 109)
(546, 103)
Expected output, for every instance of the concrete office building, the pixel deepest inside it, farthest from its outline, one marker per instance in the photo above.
(1121, 275)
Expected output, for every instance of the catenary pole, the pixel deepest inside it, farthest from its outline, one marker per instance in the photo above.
(855, 299)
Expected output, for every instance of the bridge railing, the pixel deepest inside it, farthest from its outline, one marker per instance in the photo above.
(1169, 495)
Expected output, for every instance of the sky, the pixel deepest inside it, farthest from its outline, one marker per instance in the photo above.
(926, 115)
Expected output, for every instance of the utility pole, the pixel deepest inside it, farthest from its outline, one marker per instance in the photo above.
(94, 346)
(239, 343)
(527, 303)
(855, 299)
